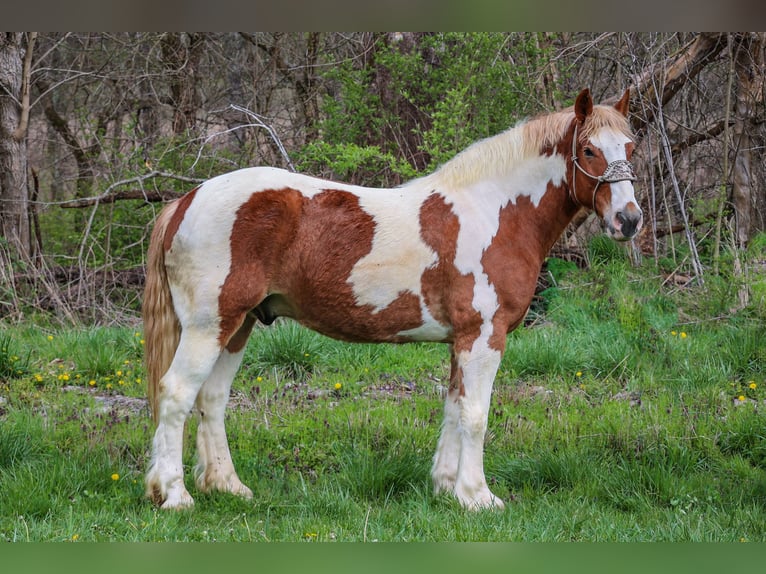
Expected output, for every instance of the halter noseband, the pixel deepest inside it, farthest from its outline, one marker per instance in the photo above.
(618, 170)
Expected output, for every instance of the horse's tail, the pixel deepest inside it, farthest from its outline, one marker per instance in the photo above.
(162, 331)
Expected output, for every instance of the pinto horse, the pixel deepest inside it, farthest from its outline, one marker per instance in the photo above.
(451, 257)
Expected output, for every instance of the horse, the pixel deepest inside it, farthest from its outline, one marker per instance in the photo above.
(452, 257)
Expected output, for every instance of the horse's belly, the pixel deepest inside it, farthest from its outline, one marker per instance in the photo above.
(401, 321)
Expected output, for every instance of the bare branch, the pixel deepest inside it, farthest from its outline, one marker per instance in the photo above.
(109, 197)
(261, 124)
(672, 74)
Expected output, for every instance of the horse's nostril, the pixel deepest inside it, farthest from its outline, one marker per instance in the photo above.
(628, 224)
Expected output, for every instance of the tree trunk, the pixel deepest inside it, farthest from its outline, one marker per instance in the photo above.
(14, 198)
(749, 67)
(181, 52)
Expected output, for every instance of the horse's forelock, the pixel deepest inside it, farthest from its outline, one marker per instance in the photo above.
(605, 117)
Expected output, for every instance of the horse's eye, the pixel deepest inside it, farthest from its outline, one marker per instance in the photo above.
(588, 152)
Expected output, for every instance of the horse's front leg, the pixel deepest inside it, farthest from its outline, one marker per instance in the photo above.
(459, 461)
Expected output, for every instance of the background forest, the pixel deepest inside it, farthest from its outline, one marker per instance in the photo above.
(97, 128)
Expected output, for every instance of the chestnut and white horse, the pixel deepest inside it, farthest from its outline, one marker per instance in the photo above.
(452, 257)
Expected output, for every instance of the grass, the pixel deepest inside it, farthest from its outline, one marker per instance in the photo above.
(626, 414)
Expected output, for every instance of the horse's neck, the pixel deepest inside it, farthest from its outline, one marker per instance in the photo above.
(534, 229)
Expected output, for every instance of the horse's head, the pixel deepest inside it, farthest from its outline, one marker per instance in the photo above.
(601, 173)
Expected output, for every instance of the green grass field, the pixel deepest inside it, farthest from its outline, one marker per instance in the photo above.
(627, 411)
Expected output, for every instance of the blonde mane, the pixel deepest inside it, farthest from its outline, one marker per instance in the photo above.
(496, 156)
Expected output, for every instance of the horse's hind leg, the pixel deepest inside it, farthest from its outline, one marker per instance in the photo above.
(197, 354)
(215, 469)
(444, 470)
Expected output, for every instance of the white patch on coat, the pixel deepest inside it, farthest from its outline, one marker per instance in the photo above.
(430, 330)
(399, 256)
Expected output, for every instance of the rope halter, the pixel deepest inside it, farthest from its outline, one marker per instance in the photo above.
(618, 170)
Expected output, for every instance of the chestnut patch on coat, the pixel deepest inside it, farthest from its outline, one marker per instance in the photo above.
(456, 386)
(447, 292)
(264, 227)
(177, 217)
(514, 258)
(333, 234)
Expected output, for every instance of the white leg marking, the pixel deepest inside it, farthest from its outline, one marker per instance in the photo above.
(215, 469)
(194, 360)
(459, 460)
(447, 457)
(479, 368)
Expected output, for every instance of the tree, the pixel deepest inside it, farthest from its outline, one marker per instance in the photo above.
(15, 57)
(748, 106)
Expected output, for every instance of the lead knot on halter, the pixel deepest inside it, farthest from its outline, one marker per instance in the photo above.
(618, 170)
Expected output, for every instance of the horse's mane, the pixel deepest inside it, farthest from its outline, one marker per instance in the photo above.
(497, 155)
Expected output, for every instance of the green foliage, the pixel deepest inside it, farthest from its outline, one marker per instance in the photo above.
(428, 103)
(352, 163)
(287, 348)
(14, 362)
(602, 250)
(755, 259)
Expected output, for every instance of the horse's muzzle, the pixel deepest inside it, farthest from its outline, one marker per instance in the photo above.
(626, 223)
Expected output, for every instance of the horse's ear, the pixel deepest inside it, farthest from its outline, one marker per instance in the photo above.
(623, 106)
(583, 105)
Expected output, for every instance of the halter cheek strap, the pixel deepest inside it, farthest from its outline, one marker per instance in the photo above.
(618, 170)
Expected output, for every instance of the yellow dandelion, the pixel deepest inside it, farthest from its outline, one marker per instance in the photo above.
(741, 398)
(119, 373)
(50, 337)
(141, 341)
(259, 379)
(674, 333)
(108, 386)
(578, 374)
(75, 537)
(306, 354)
(39, 378)
(683, 335)
(752, 385)
(115, 476)
(338, 386)
(92, 383)
(138, 380)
